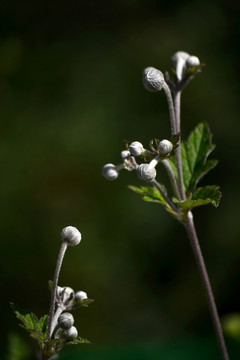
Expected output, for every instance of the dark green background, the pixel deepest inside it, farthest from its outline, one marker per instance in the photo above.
(70, 92)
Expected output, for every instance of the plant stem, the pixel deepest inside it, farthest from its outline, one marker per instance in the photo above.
(170, 203)
(189, 224)
(172, 177)
(55, 319)
(171, 108)
(62, 251)
(178, 157)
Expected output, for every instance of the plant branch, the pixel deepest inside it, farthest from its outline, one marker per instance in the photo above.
(178, 157)
(166, 198)
(62, 251)
(172, 178)
(171, 108)
(189, 224)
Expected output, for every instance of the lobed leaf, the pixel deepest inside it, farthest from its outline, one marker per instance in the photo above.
(195, 152)
(202, 196)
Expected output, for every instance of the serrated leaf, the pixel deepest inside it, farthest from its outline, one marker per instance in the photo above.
(77, 303)
(29, 320)
(152, 194)
(202, 196)
(149, 193)
(194, 157)
(36, 328)
(77, 341)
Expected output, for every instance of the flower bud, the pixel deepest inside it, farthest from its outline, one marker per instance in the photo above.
(65, 294)
(146, 172)
(179, 63)
(65, 321)
(135, 148)
(125, 154)
(109, 172)
(178, 56)
(72, 333)
(71, 235)
(192, 61)
(80, 295)
(165, 147)
(153, 79)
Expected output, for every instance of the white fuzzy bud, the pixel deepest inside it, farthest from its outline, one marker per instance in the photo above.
(125, 154)
(153, 79)
(65, 294)
(179, 63)
(71, 235)
(136, 148)
(179, 55)
(110, 172)
(72, 333)
(80, 295)
(146, 172)
(192, 61)
(66, 321)
(165, 147)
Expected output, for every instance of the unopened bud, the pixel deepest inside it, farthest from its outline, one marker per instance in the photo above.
(109, 172)
(153, 79)
(179, 63)
(65, 295)
(125, 154)
(66, 321)
(165, 147)
(146, 172)
(192, 61)
(80, 295)
(135, 148)
(71, 235)
(72, 333)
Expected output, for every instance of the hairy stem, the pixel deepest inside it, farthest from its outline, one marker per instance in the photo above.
(62, 251)
(189, 224)
(178, 157)
(172, 178)
(171, 108)
(170, 203)
(55, 319)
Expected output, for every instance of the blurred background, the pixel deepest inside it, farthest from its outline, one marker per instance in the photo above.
(71, 92)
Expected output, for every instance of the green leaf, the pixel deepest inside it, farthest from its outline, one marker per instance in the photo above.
(202, 196)
(194, 157)
(77, 303)
(149, 193)
(77, 341)
(29, 321)
(152, 194)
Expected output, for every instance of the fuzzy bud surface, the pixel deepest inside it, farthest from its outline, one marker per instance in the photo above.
(135, 148)
(65, 321)
(165, 147)
(81, 295)
(146, 172)
(72, 333)
(153, 79)
(192, 61)
(110, 172)
(71, 235)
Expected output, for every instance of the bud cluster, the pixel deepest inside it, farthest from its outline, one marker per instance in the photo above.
(67, 299)
(145, 171)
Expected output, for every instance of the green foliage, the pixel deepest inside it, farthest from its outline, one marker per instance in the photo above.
(152, 194)
(36, 328)
(195, 152)
(202, 196)
(77, 341)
